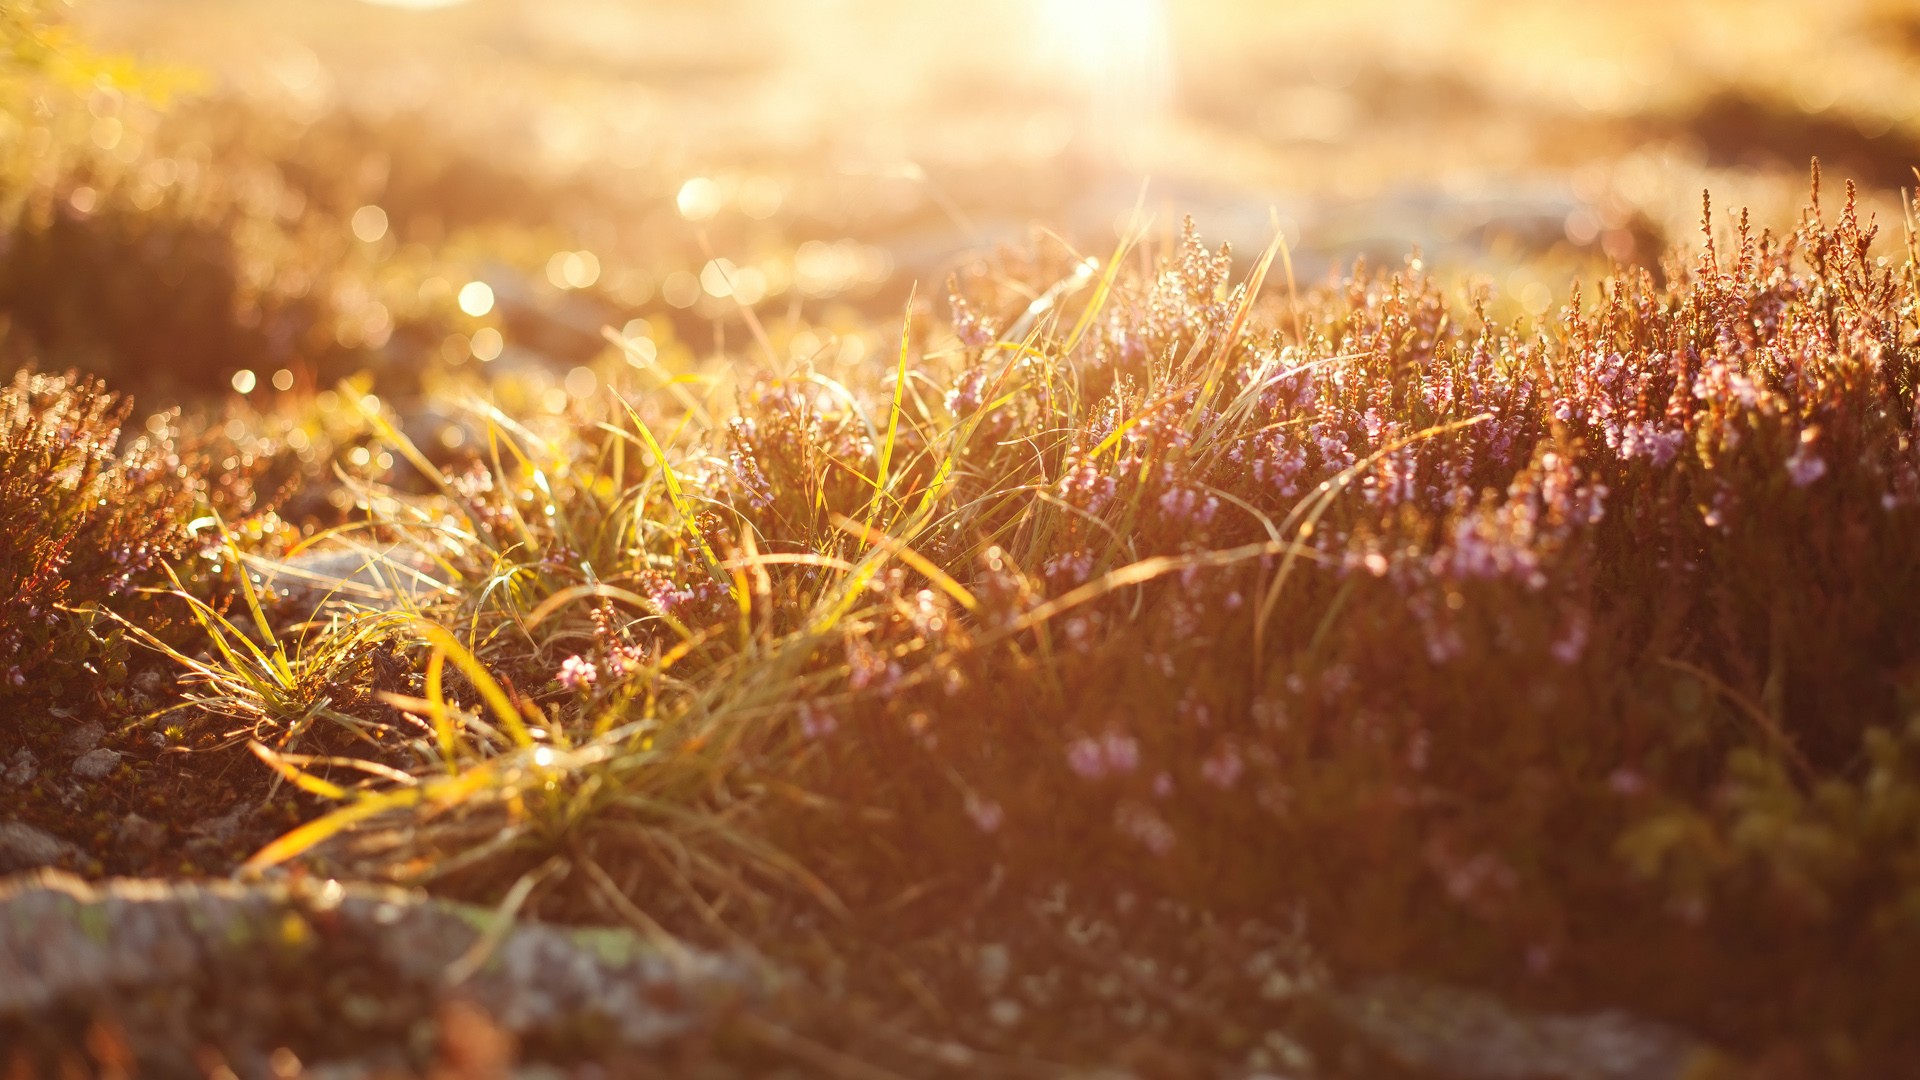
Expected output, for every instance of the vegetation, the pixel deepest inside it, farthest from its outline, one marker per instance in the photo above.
(1212, 641)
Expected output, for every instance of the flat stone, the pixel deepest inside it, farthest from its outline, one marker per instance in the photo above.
(343, 578)
(1465, 1035)
(23, 847)
(83, 738)
(138, 832)
(96, 764)
(225, 827)
(176, 962)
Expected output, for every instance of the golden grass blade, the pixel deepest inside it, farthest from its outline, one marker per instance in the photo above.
(912, 558)
(1105, 289)
(320, 830)
(306, 782)
(221, 632)
(680, 504)
(445, 735)
(443, 791)
(893, 414)
(496, 698)
(601, 590)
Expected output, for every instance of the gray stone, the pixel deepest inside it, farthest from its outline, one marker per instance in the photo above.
(340, 578)
(1449, 1032)
(96, 764)
(83, 738)
(173, 961)
(225, 827)
(21, 771)
(139, 833)
(23, 847)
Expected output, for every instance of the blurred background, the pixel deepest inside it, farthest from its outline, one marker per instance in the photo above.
(328, 178)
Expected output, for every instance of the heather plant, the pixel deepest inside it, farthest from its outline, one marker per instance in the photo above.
(1533, 656)
(84, 518)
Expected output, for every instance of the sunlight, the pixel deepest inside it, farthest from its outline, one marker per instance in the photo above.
(1115, 57)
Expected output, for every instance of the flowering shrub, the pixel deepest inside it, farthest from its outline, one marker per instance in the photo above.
(1531, 656)
(1466, 633)
(82, 517)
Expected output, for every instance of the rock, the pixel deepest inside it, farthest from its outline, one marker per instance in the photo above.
(225, 827)
(257, 966)
(96, 764)
(137, 832)
(21, 771)
(1448, 1032)
(83, 738)
(340, 578)
(23, 847)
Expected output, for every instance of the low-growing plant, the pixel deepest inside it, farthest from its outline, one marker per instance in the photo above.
(84, 517)
(1531, 656)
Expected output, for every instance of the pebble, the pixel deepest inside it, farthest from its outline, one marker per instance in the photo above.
(138, 832)
(23, 769)
(23, 847)
(96, 764)
(83, 738)
(225, 827)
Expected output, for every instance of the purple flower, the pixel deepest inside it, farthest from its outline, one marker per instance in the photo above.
(578, 674)
(1805, 466)
(986, 814)
(1572, 641)
(1626, 781)
(973, 330)
(1142, 824)
(1222, 769)
(1086, 759)
(816, 723)
(1121, 751)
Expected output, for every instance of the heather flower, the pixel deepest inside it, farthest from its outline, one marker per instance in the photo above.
(973, 330)
(1223, 767)
(1068, 569)
(1188, 508)
(987, 815)
(815, 722)
(1572, 641)
(1648, 440)
(968, 392)
(578, 674)
(1122, 752)
(1278, 465)
(1805, 466)
(869, 668)
(1085, 486)
(1144, 825)
(1086, 758)
(1626, 781)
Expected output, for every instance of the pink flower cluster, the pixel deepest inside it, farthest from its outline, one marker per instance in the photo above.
(1112, 754)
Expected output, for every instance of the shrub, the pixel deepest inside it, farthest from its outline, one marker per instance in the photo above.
(83, 518)
(1573, 658)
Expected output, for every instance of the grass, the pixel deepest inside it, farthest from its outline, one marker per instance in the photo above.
(1145, 651)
